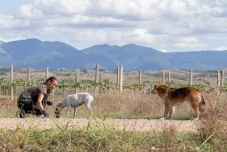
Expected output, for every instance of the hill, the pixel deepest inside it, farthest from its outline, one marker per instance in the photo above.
(55, 54)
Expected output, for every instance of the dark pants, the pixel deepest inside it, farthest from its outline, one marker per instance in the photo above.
(30, 105)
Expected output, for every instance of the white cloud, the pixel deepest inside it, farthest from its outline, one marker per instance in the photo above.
(190, 40)
(176, 25)
(190, 45)
(221, 48)
(52, 8)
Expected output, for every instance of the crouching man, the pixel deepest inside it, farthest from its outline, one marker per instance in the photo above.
(34, 99)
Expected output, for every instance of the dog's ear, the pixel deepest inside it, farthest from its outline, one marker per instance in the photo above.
(59, 104)
(67, 97)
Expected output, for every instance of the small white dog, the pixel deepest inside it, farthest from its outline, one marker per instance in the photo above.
(75, 100)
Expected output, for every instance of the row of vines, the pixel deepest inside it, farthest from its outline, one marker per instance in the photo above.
(29, 77)
(104, 85)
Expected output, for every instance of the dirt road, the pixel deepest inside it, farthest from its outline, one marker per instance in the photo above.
(119, 124)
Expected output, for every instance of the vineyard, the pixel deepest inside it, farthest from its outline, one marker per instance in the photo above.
(126, 84)
(13, 81)
(129, 104)
(88, 85)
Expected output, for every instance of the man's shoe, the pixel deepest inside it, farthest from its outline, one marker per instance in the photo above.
(40, 116)
(22, 113)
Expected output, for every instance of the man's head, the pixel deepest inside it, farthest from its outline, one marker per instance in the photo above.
(51, 83)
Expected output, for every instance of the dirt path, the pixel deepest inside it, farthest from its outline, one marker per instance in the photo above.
(120, 124)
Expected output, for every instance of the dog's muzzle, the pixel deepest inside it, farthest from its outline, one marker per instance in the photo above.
(57, 111)
(153, 91)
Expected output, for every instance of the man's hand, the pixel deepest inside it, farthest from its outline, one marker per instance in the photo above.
(45, 114)
(49, 103)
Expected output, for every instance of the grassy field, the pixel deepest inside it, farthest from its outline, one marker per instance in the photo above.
(211, 136)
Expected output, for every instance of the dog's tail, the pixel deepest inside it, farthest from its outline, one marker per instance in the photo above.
(202, 105)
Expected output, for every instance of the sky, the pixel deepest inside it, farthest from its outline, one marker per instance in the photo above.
(164, 25)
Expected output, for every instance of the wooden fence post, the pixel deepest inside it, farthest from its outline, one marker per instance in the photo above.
(140, 79)
(118, 75)
(169, 77)
(96, 76)
(222, 78)
(11, 79)
(77, 73)
(218, 78)
(163, 77)
(47, 74)
(121, 79)
(191, 76)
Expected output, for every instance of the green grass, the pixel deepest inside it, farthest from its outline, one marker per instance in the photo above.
(105, 138)
(91, 139)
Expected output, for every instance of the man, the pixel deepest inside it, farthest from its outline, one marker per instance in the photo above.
(34, 99)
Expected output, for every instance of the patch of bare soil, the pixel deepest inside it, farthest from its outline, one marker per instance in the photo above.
(75, 123)
(118, 124)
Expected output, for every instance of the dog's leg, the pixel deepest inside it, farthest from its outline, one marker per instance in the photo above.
(75, 110)
(171, 111)
(67, 113)
(167, 109)
(196, 109)
(89, 109)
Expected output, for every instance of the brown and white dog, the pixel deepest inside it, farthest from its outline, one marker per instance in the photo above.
(176, 96)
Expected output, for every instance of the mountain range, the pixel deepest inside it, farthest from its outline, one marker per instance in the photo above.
(55, 54)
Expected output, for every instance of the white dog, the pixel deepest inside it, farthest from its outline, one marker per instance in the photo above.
(75, 100)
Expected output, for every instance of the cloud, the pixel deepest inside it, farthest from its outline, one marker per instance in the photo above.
(176, 25)
(221, 48)
(190, 45)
